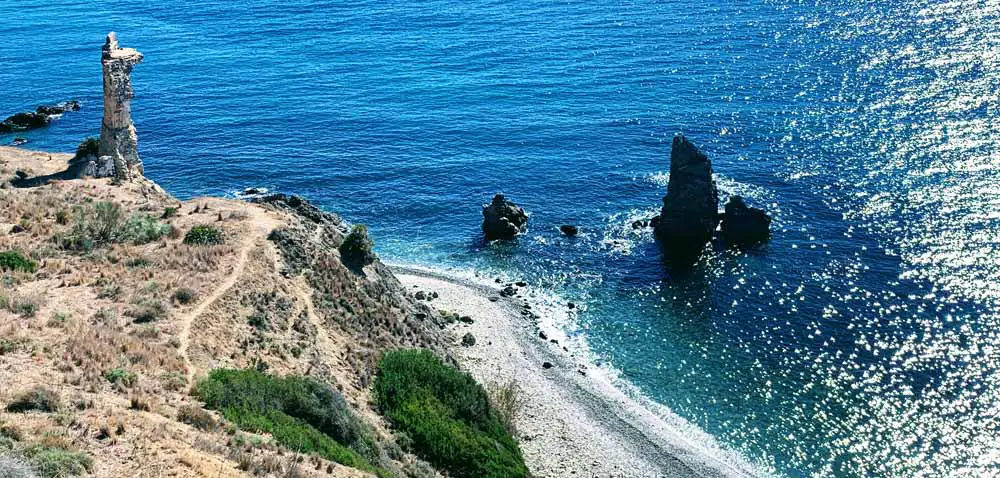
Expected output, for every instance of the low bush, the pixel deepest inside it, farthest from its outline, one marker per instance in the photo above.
(446, 415)
(56, 462)
(300, 413)
(184, 296)
(147, 311)
(196, 417)
(357, 249)
(105, 223)
(120, 375)
(203, 235)
(15, 262)
(12, 466)
(38, 398)
(88, 147)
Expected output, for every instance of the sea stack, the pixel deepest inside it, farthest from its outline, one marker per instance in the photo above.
(502, 219)
(690, 209)
(118, 138)
(744, 226)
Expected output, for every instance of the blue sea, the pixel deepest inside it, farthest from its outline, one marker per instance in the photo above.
(864, 340)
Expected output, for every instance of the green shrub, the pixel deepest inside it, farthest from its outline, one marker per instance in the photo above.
(88, 147)
(203, 235)
(143, 229)
(105, 223)
(38, 398)
(14, 261)
(57, 462)
(301, 413)
(357, 248)
(446, 415)
(120, 375)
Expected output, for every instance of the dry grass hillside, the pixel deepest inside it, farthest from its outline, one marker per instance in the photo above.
(116, 300)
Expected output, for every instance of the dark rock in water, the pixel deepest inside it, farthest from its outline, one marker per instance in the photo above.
(58, 109)
(24, 122)
(420, 315)
(641, 223)
(547, 365)
(571, 305)
(18, 141)
(420, 295)
(20, 174)
(503, 219)
(690, 209)
(468, 340)
(39, 118)
(569, 230)
(542, 336)
(744, 226)
(508, 291)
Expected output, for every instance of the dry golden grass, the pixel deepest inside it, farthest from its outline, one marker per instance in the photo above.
(109, 334)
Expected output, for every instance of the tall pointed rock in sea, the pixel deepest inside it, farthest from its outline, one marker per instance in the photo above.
(690, 211)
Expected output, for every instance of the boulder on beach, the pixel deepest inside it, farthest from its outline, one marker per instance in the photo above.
(690, 209)
(744, 226)
(502, 219)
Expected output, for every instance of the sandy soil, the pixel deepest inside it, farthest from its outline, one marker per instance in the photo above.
(573, 422)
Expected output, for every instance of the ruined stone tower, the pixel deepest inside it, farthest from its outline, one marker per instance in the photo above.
(118, 138)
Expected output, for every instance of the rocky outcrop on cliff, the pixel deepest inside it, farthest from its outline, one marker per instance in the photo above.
(41, 117)
(744, 226)
(690, 209)
(118, 137)
(502, 219)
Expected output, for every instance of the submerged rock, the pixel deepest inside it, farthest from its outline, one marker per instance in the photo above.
(569, 230)
(502, 219)
(744, 226)
(118, 137)
(690, 209)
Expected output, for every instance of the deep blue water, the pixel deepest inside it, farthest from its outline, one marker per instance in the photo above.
(863, 341)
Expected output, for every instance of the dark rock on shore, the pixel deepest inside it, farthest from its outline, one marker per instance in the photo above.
(744, 226)
(468, 340)
(569, 230)
(690, 209)
(502, 219)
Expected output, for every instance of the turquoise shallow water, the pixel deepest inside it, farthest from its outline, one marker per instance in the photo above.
(863, 341)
